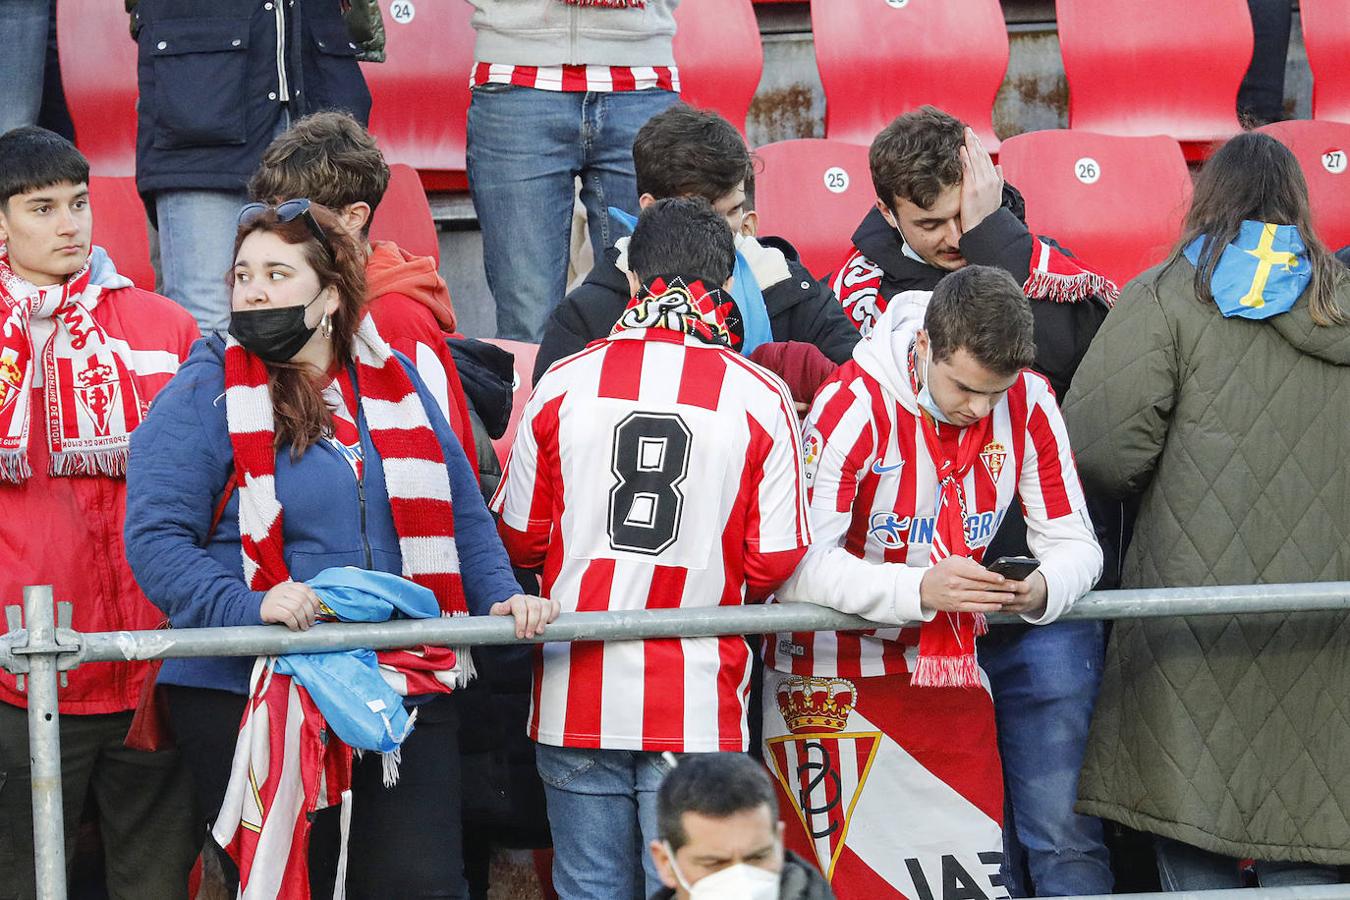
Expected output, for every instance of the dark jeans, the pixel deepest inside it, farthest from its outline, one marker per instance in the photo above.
(405, 841)
(526, 147)
(1183, 867)
(1044, 680)
(144, 807)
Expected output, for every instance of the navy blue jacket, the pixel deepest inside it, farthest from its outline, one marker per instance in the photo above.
(181, 459)
(212, 77)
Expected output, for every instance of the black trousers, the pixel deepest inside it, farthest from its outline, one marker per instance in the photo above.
(144, 805)
(406, 841)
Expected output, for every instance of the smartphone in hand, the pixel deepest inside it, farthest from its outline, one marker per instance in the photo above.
(1015, 568)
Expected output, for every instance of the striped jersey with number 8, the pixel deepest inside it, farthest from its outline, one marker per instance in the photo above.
(652, 471)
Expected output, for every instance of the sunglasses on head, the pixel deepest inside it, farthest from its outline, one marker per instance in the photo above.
(287, 211)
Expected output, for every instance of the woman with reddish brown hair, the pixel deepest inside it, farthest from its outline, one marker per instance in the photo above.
(301, 444)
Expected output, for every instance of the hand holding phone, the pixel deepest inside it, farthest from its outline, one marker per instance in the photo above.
(1014, 568)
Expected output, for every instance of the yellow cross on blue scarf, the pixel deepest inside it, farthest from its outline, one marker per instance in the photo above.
(1261, 273)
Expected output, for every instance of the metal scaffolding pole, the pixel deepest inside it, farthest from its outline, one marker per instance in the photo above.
(632, 625)
(44, 744)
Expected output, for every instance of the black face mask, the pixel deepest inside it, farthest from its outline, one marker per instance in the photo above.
(273, 334)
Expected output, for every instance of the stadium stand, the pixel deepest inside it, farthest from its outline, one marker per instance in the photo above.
(1326, 35)
(100, 84)
(119, 227)
(1141, 74)
(813, 193)
(718, 51)
(1323, 149)
(404, 216)
(524, 363)
(1115, 202)
(420, 94)
(951, 54)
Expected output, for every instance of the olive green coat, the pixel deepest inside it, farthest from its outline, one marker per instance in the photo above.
(1229, 733)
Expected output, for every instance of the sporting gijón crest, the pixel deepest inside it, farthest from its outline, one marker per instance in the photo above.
(994, 455)
(821, 767)
(97, 388)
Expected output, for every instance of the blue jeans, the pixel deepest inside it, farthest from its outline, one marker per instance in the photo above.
(602, 811)
(525, 149)
(1182, 867)
(1044, 681)
(23, 37)
(196, 250)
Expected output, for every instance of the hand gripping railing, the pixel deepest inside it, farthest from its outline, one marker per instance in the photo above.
(41, 652)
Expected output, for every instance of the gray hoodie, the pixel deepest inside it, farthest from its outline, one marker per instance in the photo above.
(554, 32)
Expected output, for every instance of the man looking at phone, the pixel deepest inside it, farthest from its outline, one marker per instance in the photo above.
(915, 451)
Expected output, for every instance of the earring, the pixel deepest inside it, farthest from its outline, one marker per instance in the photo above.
(326, 326)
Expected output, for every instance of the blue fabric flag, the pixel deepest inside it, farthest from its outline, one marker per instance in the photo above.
(1261, 273)
(358, 704)
(745, 293)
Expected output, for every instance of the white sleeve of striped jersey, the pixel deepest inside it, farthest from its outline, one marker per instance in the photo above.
(515, 493)
(1071, 558)
(783, 520)
(828, 574)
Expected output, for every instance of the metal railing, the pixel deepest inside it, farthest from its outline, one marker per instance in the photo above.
(41, 651)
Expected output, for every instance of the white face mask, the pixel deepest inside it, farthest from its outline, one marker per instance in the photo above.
(925, 398)
(739, 882)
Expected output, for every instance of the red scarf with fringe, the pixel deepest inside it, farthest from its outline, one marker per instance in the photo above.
(947, 644)
(88, 385)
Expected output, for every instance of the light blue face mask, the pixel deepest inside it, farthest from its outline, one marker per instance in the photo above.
(925, 396)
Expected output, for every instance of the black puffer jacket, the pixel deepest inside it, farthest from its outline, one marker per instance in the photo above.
(800, 309)
(1063, 330)
(800, 881)
(212, 77)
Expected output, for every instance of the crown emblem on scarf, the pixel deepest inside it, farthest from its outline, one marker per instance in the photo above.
(11, 377)
(812, 704)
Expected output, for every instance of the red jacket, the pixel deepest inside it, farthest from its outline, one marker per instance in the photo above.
(411, 308)
(67, 531)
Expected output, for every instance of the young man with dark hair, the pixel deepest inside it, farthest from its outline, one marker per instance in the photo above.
(657, 468)
(941, 205)
(720, 835)
(82, 354)
(915, 452)
(687, 152)
(330, 158)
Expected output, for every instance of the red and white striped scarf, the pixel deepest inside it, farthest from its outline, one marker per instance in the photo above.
(91, 397)
(947, 643)
(286, 763)
(415, 472)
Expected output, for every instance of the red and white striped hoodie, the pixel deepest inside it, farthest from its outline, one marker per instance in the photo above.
(873, 497)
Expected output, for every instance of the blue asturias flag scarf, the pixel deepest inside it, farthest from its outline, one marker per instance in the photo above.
(1261, 273)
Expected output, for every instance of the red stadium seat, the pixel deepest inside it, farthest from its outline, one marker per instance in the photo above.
(404, 216)
(120, 227)
(524, 354)
(814, 193)
(420, 94)
(1323, 149)
(880, 58)
(98, 74)
(1115, 202)
(719, 55)
(1326, 35)
(1172, 69)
